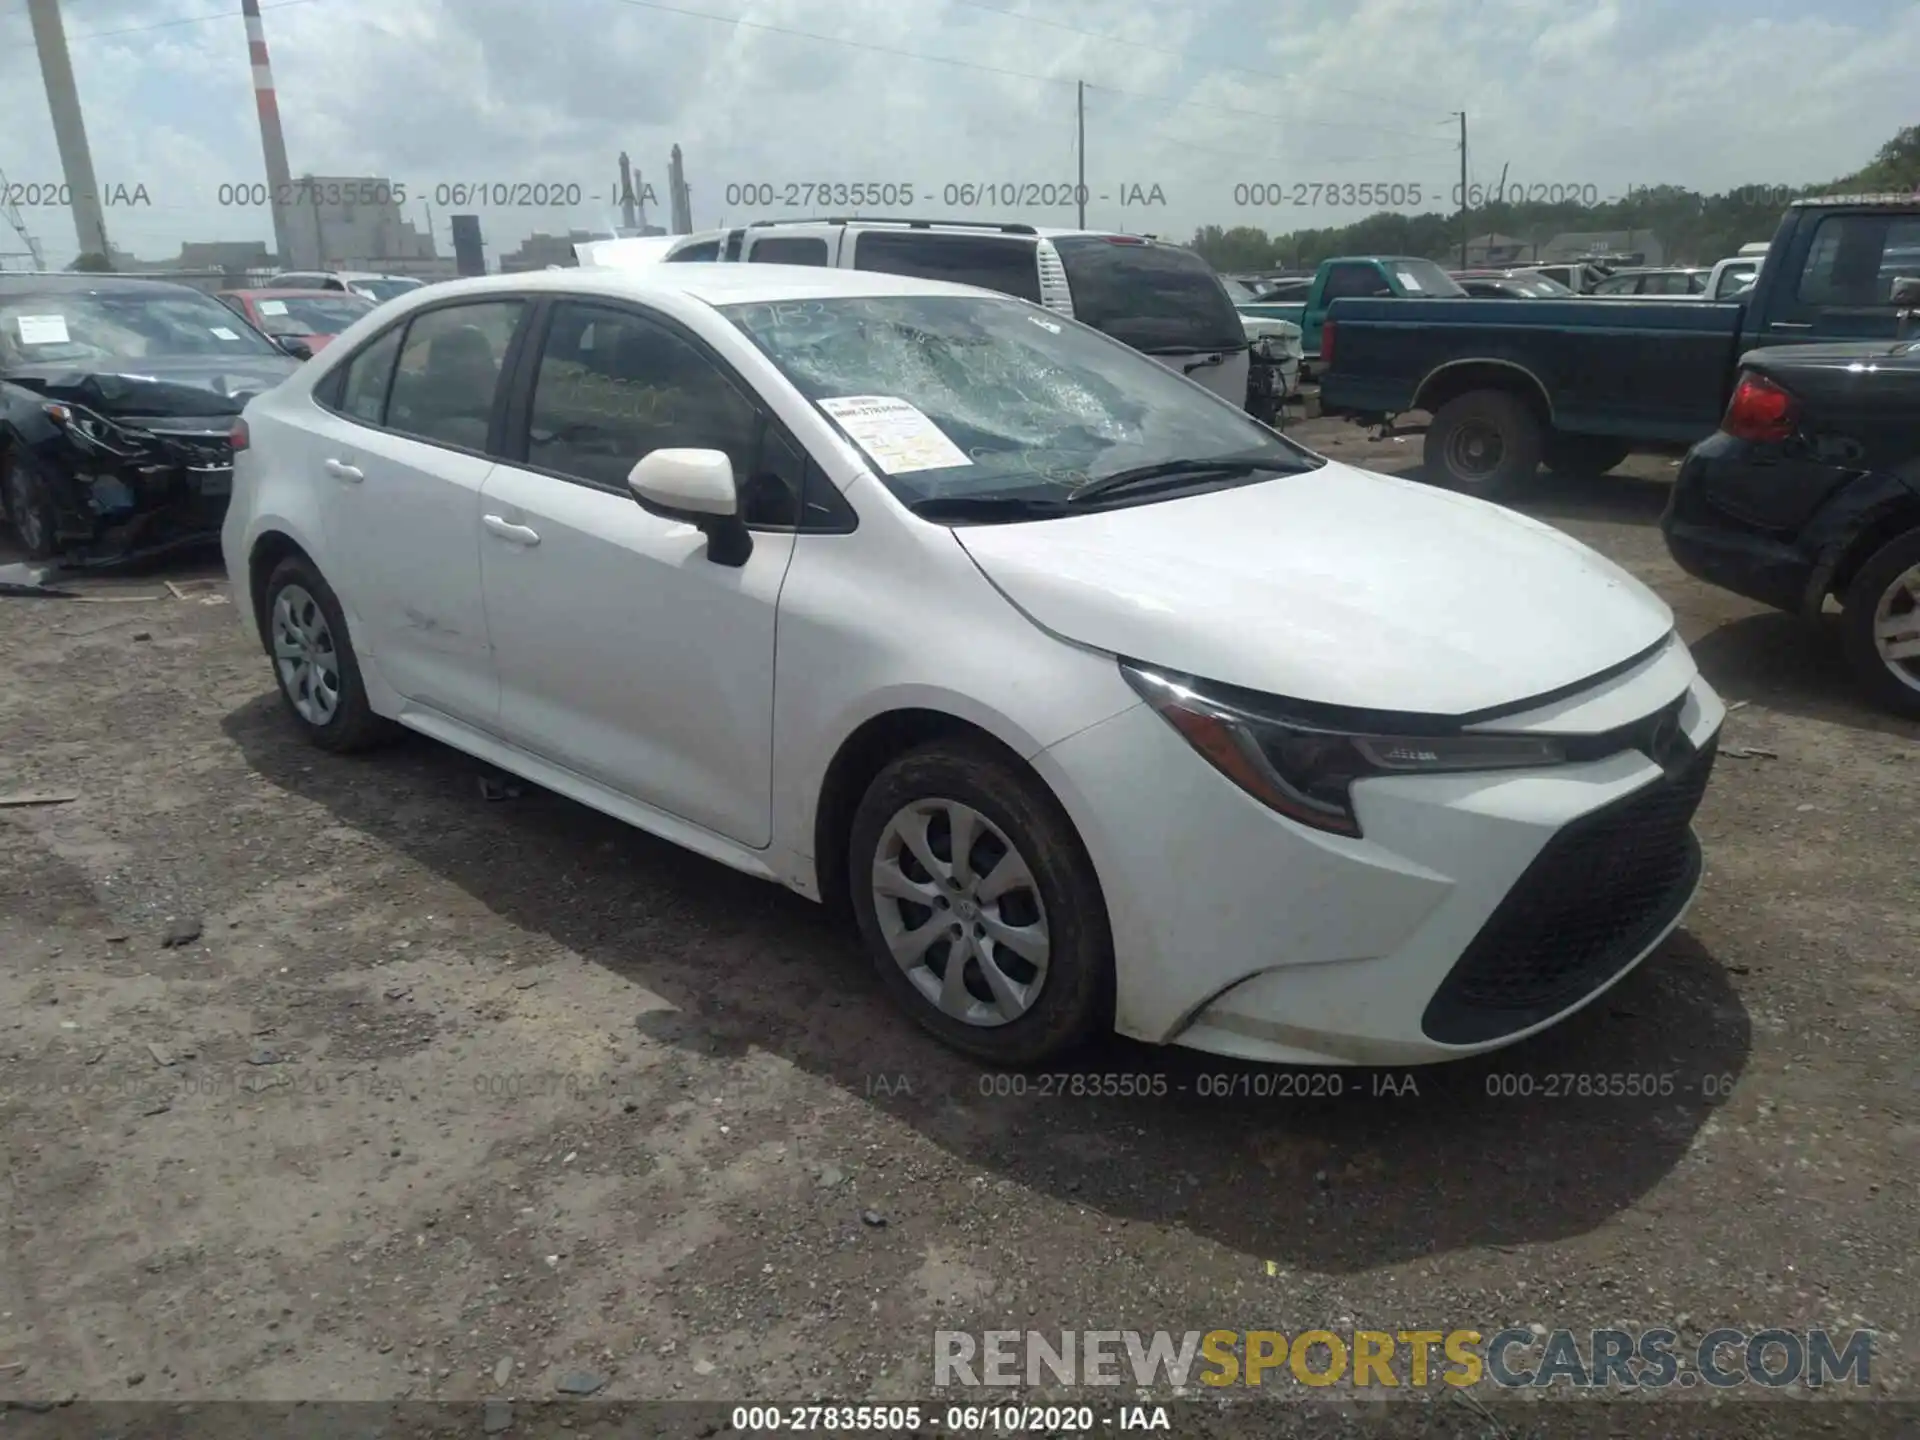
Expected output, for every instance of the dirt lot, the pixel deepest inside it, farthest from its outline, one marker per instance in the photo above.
(446, 1097)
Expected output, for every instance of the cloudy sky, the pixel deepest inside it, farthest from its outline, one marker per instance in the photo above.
(1200, 100)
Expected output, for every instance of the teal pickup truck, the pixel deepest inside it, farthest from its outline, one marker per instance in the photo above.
(1577, 383)
(1362, 277)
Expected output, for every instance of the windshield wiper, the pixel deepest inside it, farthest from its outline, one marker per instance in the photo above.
(1229, 348)
(1174, 472)
(987, 509)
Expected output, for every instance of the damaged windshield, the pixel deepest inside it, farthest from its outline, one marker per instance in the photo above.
(958, 397)
(86, 328)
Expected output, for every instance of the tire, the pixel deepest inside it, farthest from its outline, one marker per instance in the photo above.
(328, 699)
(1505, 433)
(1069, 1001)
(1891, 570)
(30, 509)
(1584, 454)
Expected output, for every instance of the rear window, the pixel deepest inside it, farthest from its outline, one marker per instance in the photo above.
(1156, 298)
(789, 250)
(992, 262)
(705, 250)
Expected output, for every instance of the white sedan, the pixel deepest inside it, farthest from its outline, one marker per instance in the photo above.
(1099, 704)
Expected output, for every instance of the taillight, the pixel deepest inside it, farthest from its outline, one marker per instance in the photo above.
(1326, 344)
(238, 437)
(1760, 411)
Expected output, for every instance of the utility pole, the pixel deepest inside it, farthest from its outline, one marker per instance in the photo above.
(69, 131)
(1465, 212)
(1080, 194)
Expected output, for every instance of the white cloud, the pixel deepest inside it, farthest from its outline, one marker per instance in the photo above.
(1193, 98)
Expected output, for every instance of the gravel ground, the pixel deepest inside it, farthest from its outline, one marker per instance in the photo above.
(332, 1079)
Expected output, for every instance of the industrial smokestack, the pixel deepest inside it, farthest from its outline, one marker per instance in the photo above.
(69, 133)
(677, 196)
(279, 175)
(626, 192)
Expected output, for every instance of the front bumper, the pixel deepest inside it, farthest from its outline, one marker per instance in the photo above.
(1477, 910)
(110, 509)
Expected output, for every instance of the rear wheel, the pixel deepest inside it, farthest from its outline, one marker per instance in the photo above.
(1485, 443)
(30, 509)
(1881, 626)
(1584, 454)
(979, 905)
(313, 660)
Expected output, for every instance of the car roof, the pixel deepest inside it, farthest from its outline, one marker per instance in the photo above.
(269, 292)
(351, 274)
(41, 282)
(723, 283)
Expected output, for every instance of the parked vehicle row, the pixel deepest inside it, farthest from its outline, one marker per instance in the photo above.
(1577, 383)
(948, 610)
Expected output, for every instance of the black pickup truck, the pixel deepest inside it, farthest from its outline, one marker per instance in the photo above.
(1577, 383)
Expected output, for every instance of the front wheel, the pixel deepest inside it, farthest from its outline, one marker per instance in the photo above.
(1881, 627)
(979, 906)
(30, 509)
(1485, 443)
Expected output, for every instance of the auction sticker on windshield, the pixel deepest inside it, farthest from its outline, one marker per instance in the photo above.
(273, 307)
(224, 333)
(895, 435)
(42, 329)
(1407, 280)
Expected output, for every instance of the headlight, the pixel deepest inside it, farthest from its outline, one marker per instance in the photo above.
(1306, 770)
(95, 432)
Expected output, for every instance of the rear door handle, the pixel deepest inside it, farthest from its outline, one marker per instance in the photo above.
(507, 530)
(340, 470)
(1791, 325)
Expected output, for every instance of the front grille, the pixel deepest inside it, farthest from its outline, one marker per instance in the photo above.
(1592, 899)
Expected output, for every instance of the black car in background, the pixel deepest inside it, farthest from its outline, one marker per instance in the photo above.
(117, 398)
(1811, 489)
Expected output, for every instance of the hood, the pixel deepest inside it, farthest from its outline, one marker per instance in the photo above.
(1337, 586)
(168, 386)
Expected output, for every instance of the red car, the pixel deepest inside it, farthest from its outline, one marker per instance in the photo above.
(298, 319)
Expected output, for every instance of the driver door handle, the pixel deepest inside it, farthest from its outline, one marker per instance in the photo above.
(340, 470)
(1791, 325)
(507, 530)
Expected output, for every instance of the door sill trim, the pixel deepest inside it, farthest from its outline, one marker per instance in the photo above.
(474, 741)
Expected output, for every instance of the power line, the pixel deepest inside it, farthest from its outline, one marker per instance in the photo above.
(182, 20)
(996, 69)
(1033, 19)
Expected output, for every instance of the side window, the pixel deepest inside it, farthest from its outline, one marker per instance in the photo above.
(449, 369)
(770, 494)
(992, 262)
(360, 388)
(1854, 259)
(1619, 285)
(613, 387)
(1353, 280)
(705, 250)
(788, 250)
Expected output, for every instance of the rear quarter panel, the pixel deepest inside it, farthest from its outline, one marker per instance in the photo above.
(1644, 369)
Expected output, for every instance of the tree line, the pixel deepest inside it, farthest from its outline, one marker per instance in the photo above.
(1693, 228)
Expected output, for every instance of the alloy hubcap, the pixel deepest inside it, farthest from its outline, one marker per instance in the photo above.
(1896, 628)
(961, 912)
(304, 655)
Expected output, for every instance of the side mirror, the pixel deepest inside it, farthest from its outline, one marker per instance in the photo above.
(294, 346)
(1906, 292)
(697, 488)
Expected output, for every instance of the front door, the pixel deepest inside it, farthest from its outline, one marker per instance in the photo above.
(624, 653)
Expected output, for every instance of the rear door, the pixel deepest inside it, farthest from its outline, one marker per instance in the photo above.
(1836, 280)
(401, 454)
(1162, 300)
